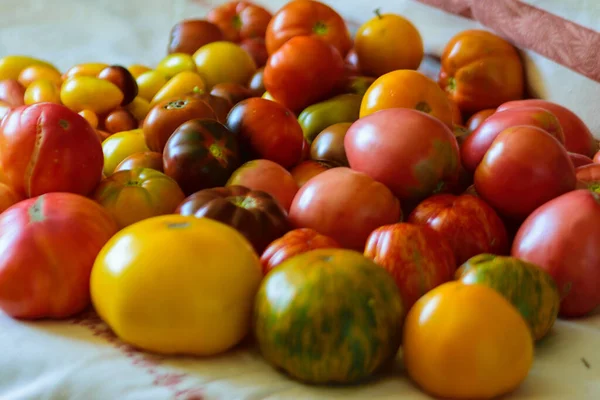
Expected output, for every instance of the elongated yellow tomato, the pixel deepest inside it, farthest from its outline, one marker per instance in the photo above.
(149, 83)
(39, 71)
(183, 83)
(121, 145)
(175, 63)
(86, 92)
(12, 66)
(224, 62)
(139, 108)
(85, 69)
(138, 69)
(40, 91)
(177, 284)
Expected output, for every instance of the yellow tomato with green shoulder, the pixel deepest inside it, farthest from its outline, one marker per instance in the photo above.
(177, 284)
(121, 145)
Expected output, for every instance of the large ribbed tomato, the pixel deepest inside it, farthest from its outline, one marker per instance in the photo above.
(240, 20)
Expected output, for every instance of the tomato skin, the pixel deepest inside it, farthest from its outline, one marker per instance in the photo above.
(8, 197)
(524, 168)
(233, 92)
(144, 159)
(189, 35)
(201, 154)
(240, 20)
(168, 115)
(470, 225)
(122, 78)
(119, 120)
(345, 205)
(12, 92)
(308, 169)
(477, 143)
(119, 146)
(50, 243)
(579, 160)
(412, 158)
(578, 138)
(46, 148)
(302, 72)
(296, 241)
(257, 48)
(267, 130)
(308, 18)
(481, 70)
(563, 238)
(588, 177)
(329, 144)
(477, 119)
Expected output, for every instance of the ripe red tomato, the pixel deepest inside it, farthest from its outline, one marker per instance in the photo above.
(418, 258)
(578, 138)
(470, 225)
(240, 20)
(308, 18)
(477, 143)
(269, 177)
(476, 119)
(588, 176)
(48, 148)
(49, 246)
(563, 238)
(12, 92)
(579, 160)
(409, 151)
(268, 130)
(8, 197)
(524, 168)
(294, 242)
(302, 72)
(308, 169)
(345, 205)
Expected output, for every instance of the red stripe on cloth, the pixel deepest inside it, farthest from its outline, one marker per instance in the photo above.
(560, 40)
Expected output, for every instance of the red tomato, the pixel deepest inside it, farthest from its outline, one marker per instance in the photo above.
(294, 242)
(563, 238)
(476, 119)
(49, 246)
(470, 225)
(346, 205)
(579, 160)
(418, 258)
(8, 197)
(308, 169)
(267, 130)
(409, 151)
(578, 138)
(524, 168)
(302, 72)
(12, 92)
(267, 176)
(48, 148)
(308, 18)
(257, 48)
(477, 143)
(240, 20)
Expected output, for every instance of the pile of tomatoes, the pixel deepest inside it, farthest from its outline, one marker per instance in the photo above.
(269, 154)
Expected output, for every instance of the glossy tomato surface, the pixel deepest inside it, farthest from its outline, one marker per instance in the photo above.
(476, 119)
(579, 160)
(308, 169)
(240, 20)
(345, 205)
(145, 159)
(189, 35)
(8, 197)
(588, 176)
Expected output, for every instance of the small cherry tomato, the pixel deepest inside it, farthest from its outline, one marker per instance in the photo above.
(87, 69)
(220, 62)
(144, 159)
(181, 84)
(42, 91)
(123, 79)
(90, 117)
(86, 92)
(121, 145)
(120, 120)
(149, 83)
(36, 72)
(175, 63)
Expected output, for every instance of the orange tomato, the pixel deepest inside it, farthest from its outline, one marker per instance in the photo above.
(407, 89)
(481, 70)
(40, 91)
(86, 69)
(90, 117)
(36, 72)
(466, 342)
(136, 70)
(136, 194)
(386, 43)
(457, 118)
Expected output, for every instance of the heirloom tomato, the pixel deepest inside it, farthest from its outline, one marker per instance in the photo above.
(143, 159)
(563, 238)
(149, 83)
(42, 91)
(468, 223)
(267, 130)
(257, 48)
(233, 92)
(254, 213)
(477, 143)
(407, 89)
(418, 258)
(119, 120)
(297, 241)
(524, 168)
(308, 18)
(12, 92)
(90, 117)
(220, 105)
(122, 78)
(12, 66)
(175, 63)
(578, 138)
(239, 20)
(201, 154)
(86, 69)
(189, 35)
(90, 93)
(410, 152)
(466, 342)
(316, 117)
(477, 119)
(303, 71)
(266, 176)
(8, 197)
(345, 205)
(388, 42)
(46, 148)
(121, 145)
(481, 70)
(183, 83)
(308, 169)
(166, 116)
(181, 275)
(220, 62)
(329, 144)
(49, 244)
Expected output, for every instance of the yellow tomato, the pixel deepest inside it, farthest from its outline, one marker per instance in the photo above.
(149, 83)
(466, 342)
(86, 92)
(175, 63)
(224, 62)
(138, 69)
(183, 83)
(37, 72)
(177, 284)
(12, 66)
(139, 108)
(85, 69)
(40, 91)
(90, 117)
(386, 43)
(121, 145)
